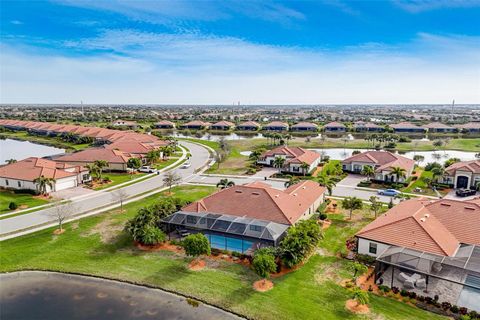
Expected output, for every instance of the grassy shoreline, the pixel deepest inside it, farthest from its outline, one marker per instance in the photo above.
(47, 141)
(97, 246)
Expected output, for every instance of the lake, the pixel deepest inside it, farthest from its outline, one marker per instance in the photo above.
(49, 295)
(19, 150)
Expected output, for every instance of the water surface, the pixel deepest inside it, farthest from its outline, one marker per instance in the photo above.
(19, 150)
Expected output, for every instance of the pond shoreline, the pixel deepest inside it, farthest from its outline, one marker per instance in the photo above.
(129, 282)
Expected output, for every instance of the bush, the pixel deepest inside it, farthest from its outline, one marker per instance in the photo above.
(12, 206)
(429, 166)
(264, 263)
(384, 288)
(395, 290)
(465, 317)
(151, 235)
(404, 293)
(26, 191)
(412, 295)
(474, 314)
(323, 216)
(454, 309)
(366, 259)
(300, 240)
(446, 305)
(196, 245)
(463, 310)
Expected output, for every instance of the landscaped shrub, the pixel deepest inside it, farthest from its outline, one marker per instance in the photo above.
(463, 310)
(395, 290)
(465, 317)
(151, 235)
(404, 293)
(12, 206)
(300, 240)
(412, 295)
(429, 166)
(384, 288)
(474, 314)
(263, 262)
(446, 305)
(421, 298)
(454, 309)
(366, 259)
(322, 216)
(196, 245)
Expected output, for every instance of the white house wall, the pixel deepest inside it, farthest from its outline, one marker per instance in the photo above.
(364, 246)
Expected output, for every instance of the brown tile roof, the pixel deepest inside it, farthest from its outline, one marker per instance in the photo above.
(382, 160)
(293, 154)
(470, 166)
(31, 168)
(277, 124)
(405, 124)
(136, 147)
(224, 124)
(250, 124)
(437, 125)
(470, 125)
(304, 125)
(260, 201)
(92, 154)
(334, 124)
(197, 123)
(437, 227)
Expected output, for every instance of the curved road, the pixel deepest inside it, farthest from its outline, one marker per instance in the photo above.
(83, 206)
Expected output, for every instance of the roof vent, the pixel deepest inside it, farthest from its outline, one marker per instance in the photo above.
(446, 204)
(304, 187)
(294, 194)
(470, 208)
(422, 220)
(238, 191)
(427, 215)
(255, 193)
(277, 195)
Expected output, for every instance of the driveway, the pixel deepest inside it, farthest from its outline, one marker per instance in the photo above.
(351, 180)
(72, 192)
(265, 172)
(348, 188)
(451, 195)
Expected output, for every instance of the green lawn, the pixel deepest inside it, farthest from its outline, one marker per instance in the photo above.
(118, 178)
(50, 141)
(97, 246)
(162, 164)
(23, 201)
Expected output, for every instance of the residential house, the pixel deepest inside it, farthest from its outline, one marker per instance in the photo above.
(437, 127)
(195, 125)
(382, 162)
(164, 124)
(471, 127)
(304, 126)
(430, 247)
(334, 127)
(249, 126)
(276, 126)
(136, 148)
(244, 218)
(361, 126)
(117, 160)
(125, 123)
(222, 125)
(21, 175)
(407, 127)
(464, 174)
(294, 158)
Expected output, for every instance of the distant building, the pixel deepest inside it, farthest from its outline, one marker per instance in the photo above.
(382, 162)
(437, 127)
(21, 175)
(195, 125)
(334, 127)
(407, 127)
(249, 126)
(304, 126)
(471, 127)
(117, 160)
(222, 125)
(361, 126)
(464, 174)
(276, 126)
(136, 148)
(125, 123)
(164, 124)
(294, 157)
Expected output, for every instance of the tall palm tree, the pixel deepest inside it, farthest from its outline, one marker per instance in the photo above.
(10, 161)
(437, 172)
(368, 172)
(291, 181)
(152, 156)
(278, 162)
(304, 166)
(42, 184)
(399, 172)
(327, 182)
(93, 169)
(100, 164)
(225, 183)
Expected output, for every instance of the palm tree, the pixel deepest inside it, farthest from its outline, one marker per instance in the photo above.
(360, 296)
(368, 172)
(327, 182)
(278, 162)
(255, 155)
(42, 184)
(437, 172)
(100, 164)
(225, 183)
(10, 161)
(399, 172)
(293, 180)
(351, 204)
(93, 169)
(152, 156)
(304, 166)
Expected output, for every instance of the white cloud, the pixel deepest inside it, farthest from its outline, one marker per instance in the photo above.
(417, 6)
(198, 69)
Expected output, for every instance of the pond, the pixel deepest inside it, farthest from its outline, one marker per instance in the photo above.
(49, 295)
(19, 150)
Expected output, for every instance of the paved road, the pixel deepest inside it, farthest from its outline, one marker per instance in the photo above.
(199, 158)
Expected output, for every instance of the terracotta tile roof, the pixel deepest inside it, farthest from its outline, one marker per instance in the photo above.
(404, 125)
(250, 124)
(334, 125)
(470, 125)
(382, 160)
(304, 125)
(277, 124)
(261, 201)
(361, 124)
(293, 154)
(31, 168)
(197, 123)
(92, 154)
(437, 125)
(224, 124)
(124, 122)
(136, 147)
(437, 227)
(470, 166)
(165, 123)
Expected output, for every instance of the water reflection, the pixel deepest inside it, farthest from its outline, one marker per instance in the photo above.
(19, 150)
(23, 296)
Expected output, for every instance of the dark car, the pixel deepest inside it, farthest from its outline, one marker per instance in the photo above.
(465, 192)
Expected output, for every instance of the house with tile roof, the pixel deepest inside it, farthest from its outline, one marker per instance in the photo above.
(431, 247)
(195, 125)
(21, 175)
(304, 126)
(382, 162)
(361, 126)
(125, 123)
(438, 127)
(407, 127)
(276, 126)
(116, 159)
(249, 126)
(222, 125)
(463, 174)
(470, 127)
(294, 157)
(164, 124)
(334, 127)
(243, 218)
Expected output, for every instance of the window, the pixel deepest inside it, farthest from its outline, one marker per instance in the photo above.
(372, 248)
(191, 220)
(6, 182)
(255, 228)
(19, 184)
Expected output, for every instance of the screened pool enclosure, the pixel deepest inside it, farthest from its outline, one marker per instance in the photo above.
(226, 232)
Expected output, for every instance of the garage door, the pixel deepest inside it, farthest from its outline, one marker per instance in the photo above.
(64, 184)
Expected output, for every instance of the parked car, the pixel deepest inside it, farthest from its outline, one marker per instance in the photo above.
(389, 192)
(147, 169)
(186, 165)
(465, 192)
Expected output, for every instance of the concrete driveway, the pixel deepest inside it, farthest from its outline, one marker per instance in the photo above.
(72, 192)
(348, 188)
(265, 172)
(453, 196)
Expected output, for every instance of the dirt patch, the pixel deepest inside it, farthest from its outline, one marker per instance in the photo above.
(326, 224)
(23, 206)
(352, 306)
(327, 272)
(317, 171)
(42, 197)
(365, 283)
(107, 229)
(58, 231)
(332, 207)
(197, 265)
(160, 246)
(262, 285)
(74, 225)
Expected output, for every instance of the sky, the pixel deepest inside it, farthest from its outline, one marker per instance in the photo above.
(248, 52)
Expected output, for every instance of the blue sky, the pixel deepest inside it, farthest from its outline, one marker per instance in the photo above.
(255, 52)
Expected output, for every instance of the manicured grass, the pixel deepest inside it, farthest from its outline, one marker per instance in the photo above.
(118, 178)
(212, 144)
(22, 200)
(49, 141)
(164, 163)
(97, 246)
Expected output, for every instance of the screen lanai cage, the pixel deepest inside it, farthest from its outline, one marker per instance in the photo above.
(454, 279)
(227, 232)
